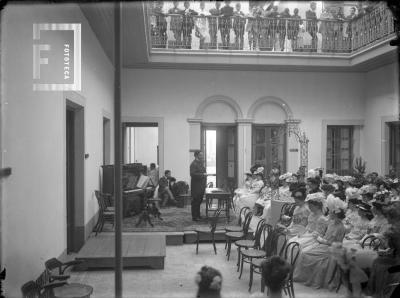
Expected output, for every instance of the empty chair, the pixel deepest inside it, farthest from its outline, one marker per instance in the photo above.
(371, 242)
(55, 264)
(291, 254)
(253, 248)
(32, 289)
(234, 236)
(106, 213)
(270, 247)
(238, 227)
(210, 230)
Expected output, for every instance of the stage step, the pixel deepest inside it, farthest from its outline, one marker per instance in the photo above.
(138, 250)
(191, 236)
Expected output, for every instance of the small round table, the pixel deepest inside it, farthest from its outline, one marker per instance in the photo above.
(73, 290)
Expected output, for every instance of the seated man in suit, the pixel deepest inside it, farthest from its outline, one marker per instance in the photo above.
(164, 190)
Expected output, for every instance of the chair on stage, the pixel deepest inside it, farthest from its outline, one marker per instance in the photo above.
(203, 231)
(106, 213)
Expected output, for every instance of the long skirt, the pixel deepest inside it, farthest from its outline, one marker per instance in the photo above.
(315, 266)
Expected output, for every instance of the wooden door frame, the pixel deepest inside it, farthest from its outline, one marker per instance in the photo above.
(205, 125)
(285, 138)
(78, 228)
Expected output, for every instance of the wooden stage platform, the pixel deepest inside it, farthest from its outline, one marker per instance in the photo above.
(138, 250)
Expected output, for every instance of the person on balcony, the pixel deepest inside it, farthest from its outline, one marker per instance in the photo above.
(239, 23)
(268, 28)
(187, 25)
(281, 27)
(293, 28)
(253, 26)
(201, 25)
(160, 26)
(176, 22)
(225, 24)
(213, 24)
(312, 25)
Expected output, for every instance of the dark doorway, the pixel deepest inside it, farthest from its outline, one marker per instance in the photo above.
(269, 147)
(70, 179)
(75, 144)
(219, 146)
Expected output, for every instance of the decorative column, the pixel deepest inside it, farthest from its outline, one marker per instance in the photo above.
(243, 147)
(293, 155)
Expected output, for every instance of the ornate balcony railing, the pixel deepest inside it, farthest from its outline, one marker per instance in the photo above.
(218, 33)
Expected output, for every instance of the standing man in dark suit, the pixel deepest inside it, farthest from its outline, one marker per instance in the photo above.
(198, 183)
(226, 24)
(213, 24)
(312, 25)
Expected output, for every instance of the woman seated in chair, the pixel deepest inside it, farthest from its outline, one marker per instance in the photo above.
(246, 185)
(361, 225)
(300, 215)
(249, 199)
(317, 222)
(315, 266)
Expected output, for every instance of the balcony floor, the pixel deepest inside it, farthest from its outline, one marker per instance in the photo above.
(177, 278)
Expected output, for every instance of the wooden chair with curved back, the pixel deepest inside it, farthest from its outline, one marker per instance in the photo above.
(291, 254)
(271, 248)
(234, 236)
(210, 230)
(106, 212)
(253, 248)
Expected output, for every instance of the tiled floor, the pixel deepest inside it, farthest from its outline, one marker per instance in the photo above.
(177, 278)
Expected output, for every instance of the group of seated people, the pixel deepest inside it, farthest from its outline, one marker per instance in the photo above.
(334, 220)
(264, 25)
(166, 187)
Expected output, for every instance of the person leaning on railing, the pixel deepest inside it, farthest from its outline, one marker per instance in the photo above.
(176, 22)
(294, 27)
(281, 27)
(225, 24)
(187, 24)
(213, 23)
(160, 26)
(312, 25)
(239, 23)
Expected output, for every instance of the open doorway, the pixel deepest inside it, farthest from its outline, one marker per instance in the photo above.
(219, 146)
(141, 143)
(75, 151)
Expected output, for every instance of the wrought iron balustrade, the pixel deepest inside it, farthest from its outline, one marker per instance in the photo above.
(263, 34)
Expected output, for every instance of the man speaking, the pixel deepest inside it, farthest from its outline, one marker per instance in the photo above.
(197, 184)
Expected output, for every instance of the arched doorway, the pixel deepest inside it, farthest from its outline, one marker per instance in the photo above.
(216, 122)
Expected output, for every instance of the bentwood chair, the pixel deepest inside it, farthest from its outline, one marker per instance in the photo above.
(372, 242)
(32, 289)
(208, 231)
(238, 227)
(106, 213)
(234, 236)
(55, 264)
(287, 213)
(292, 252)
(271, 248)
(253, 248)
